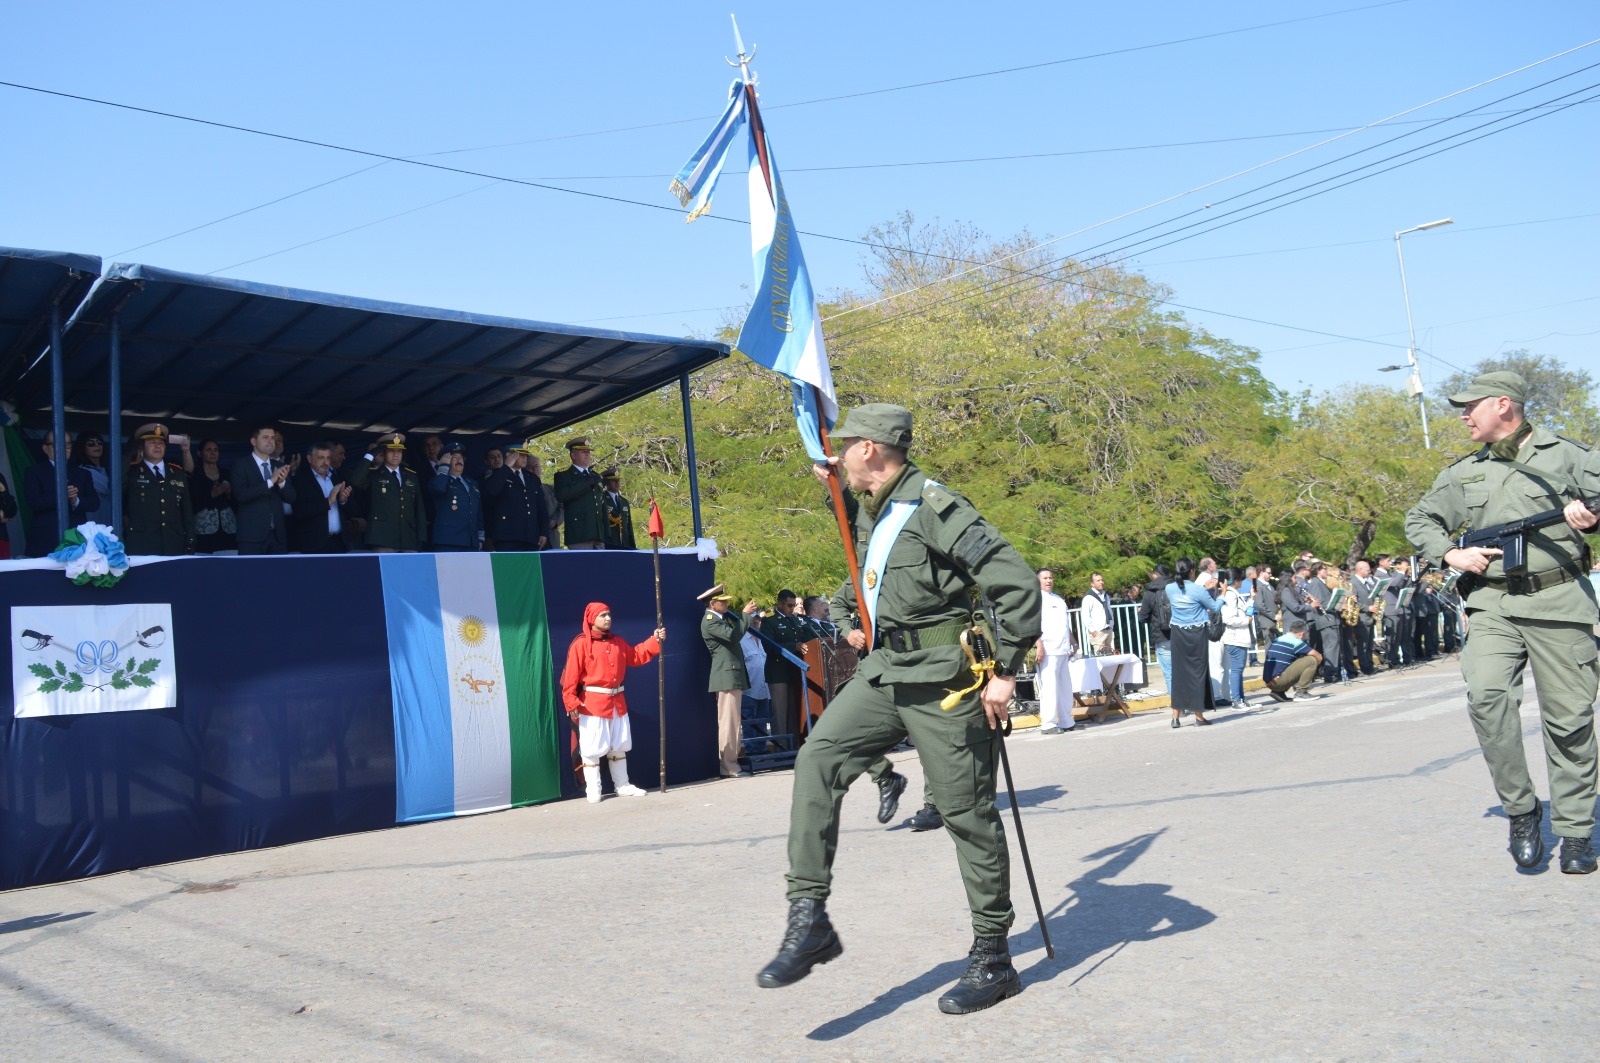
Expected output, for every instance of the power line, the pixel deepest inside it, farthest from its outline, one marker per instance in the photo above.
(1045, 277)
(938, 81)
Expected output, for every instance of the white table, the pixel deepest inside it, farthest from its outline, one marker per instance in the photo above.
(1092, 674)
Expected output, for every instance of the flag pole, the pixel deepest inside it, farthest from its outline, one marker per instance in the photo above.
(759, 132)
(661, 664)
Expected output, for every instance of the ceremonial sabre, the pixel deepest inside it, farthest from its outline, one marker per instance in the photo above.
(982, 656)
(657, 530)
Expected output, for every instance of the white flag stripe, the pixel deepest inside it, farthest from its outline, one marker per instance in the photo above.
(480, 721)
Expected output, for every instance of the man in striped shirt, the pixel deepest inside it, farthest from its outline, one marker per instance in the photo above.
(1290, 664)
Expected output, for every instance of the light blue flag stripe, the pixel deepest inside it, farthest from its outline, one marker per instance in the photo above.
(698, 178)
(423, 743)
(783, 332)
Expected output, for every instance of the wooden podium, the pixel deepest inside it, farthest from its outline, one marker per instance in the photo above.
(816, 690)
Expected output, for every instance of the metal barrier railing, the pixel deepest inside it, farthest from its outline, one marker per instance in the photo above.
(1130, 635)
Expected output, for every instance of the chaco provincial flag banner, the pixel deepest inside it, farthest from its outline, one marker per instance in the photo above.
(474, 695)
(67, 660)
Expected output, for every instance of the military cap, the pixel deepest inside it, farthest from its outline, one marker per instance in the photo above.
(610, 474)
(1491, 385)
(452, 448)
(713, 594)
(581, 443)
(524, 447)
(392, 441)
(879, 422)
(152, 431)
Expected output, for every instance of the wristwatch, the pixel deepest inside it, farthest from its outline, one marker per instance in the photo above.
(1003, 672)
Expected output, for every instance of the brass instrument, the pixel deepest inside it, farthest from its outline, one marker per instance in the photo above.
(1349, 611)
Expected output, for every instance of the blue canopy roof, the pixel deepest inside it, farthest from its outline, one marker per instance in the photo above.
(30, 282)
(197, 348)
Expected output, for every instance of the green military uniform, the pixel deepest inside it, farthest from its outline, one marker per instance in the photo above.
(157, 514)
(393, 506)
(721, 633)
(943, 549)
(582, 495)
(619, 522)
(1545, 619)
(788, 631)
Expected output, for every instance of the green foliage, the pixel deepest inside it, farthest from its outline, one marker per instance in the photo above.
(1096, 430)
(1559, 398)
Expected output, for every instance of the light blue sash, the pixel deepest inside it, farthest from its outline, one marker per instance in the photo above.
(884, 533)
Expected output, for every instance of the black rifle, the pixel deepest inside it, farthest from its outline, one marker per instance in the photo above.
(1511, 539)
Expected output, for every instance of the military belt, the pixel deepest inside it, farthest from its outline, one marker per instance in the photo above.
(906, 639)
(601, 690)
(1531, 584)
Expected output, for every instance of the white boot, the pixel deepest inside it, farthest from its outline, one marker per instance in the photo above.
(591, 782)
(619, 775)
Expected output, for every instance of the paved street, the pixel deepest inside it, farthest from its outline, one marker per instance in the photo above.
(1322, 880)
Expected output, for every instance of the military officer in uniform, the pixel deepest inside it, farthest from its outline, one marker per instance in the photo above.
(515, 500)
(457, 508)
(391, 498)
(722, 631)
(788, 631)
(157, 517)
(925, 548)
(1542, 617)
(582, 495)
(619, 515)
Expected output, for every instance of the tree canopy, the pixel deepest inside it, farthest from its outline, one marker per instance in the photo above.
(1097, 430)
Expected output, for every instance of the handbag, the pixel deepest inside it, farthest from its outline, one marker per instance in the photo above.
(1214, 626)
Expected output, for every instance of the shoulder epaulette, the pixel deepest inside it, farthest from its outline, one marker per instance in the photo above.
(938, 496)
(1585, 447)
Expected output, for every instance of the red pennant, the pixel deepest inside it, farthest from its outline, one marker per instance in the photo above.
(658, 530)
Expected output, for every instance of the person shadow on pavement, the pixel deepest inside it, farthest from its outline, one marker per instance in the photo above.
(1101, 915)
(1097, 916)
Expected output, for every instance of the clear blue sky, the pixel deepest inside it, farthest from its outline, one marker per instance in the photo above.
(533, 79)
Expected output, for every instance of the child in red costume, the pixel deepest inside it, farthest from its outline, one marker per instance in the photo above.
(591, 687)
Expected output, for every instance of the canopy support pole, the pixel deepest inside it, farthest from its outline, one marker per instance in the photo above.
(58, 425)
(115, 463)
(694, 473)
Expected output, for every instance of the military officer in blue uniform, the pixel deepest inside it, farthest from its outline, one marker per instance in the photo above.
(158, 517)
(457, 507)
(515, 499)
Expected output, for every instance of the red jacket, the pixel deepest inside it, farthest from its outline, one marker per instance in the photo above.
(600, 660)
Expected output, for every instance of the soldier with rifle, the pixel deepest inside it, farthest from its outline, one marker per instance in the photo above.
(1524, 561)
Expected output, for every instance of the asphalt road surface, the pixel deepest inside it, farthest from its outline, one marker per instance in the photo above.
(1323, 880)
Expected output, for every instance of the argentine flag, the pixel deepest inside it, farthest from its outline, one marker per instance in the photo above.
(784, 329)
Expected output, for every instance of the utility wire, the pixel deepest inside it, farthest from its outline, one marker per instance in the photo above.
(1046, 276)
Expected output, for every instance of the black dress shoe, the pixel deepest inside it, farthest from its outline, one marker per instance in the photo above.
(927, 818)
(1576, 859)
(890, 787)
(808, 941)
(1177, 721)
(1527, 840)
(1201, 721)
(988, 979)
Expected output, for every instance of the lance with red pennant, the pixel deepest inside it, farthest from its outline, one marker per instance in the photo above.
(658, 531)
(783, 331)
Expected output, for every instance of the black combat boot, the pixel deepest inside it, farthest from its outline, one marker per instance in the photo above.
(1576, 859)
(889, 791)
(1527, 839)
(808, 941)
(926, 819)
(989, 978)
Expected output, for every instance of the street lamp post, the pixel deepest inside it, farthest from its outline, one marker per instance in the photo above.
(1414, 383)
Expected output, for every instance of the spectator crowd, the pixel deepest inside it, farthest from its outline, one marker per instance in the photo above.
(321, 497)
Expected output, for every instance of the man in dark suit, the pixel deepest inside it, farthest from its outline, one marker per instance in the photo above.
(316, 526)
(39, 489)
(261, 489)
(514, 499)
(1364, 633)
